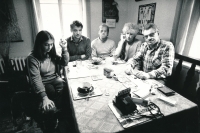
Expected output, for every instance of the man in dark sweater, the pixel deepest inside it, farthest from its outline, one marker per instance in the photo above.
(79, 47)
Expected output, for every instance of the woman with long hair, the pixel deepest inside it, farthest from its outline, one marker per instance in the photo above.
(42, 66)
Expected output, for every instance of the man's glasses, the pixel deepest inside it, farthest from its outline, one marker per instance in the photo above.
(150, 35)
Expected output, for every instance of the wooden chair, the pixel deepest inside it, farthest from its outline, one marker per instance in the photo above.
(22, 103)
(191, 78)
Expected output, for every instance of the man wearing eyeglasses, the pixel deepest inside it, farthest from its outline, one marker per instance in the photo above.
(79, 47)
(156, 55)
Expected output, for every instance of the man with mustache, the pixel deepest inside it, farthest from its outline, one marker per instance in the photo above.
(103, 46)
(79, 47)
(156, 55)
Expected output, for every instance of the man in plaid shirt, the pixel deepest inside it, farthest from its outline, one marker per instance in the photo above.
(155, 57)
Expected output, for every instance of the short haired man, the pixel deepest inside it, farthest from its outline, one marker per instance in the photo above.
(79, 47)
(103, 46)
(156, 55)
(128, 45)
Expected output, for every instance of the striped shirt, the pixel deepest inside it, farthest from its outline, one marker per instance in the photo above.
(158, 61)
(100, 48)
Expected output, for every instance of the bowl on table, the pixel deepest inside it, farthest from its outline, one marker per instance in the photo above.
(96, 60)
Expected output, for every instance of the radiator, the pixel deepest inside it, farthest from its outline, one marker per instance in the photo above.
(18, 64)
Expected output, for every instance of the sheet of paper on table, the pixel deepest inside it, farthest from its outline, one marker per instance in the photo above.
(76, 95)
(143, 90)
(79, 72)
(123, 79)
(139, 87)
(131, 85)
(155, 83)
(97, 77)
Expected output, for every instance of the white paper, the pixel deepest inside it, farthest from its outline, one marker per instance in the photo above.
(143, 90)
(110, 22)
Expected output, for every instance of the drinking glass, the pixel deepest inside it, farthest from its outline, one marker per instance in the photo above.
(79, 63)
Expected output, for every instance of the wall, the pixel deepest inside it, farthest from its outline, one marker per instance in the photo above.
(128, 12)
(19, 49)
(96, 19)
(164, 14)
(21, 9)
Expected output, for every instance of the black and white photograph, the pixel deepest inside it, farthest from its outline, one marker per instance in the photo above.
(99, 66)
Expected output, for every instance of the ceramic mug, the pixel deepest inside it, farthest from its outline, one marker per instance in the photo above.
(86, 88)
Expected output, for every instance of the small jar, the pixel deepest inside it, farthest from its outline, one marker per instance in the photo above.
(107, 72)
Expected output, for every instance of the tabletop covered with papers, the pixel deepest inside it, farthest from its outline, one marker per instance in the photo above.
(98, 114)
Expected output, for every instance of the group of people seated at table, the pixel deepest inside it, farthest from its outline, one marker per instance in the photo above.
(148, 58)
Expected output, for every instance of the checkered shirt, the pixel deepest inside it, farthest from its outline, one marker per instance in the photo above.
(158, 61)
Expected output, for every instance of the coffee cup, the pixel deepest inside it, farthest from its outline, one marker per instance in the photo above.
(86, 87)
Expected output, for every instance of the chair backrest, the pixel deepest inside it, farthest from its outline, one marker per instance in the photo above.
(13, 71)
(185, 83)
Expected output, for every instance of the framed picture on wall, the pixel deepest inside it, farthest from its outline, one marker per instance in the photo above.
(146, 14)
(109, 10)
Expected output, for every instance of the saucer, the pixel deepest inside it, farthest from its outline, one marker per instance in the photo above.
(86, 94)
(82, 94)
(85, 91)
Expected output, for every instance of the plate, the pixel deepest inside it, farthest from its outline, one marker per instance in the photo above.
(86, 94)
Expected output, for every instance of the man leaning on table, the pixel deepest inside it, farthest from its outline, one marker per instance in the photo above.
(79, 47)
(156, 55)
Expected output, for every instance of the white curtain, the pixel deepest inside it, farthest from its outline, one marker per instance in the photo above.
(56, 16)
(33, 18)
(85, 8)
(186, 21)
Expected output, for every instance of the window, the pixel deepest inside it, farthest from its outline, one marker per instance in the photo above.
(194, 50)
(56, 17)
(187, 28)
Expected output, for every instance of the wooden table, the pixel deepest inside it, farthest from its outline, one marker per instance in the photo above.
(94, 115)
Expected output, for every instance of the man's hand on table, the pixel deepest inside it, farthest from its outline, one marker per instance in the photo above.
(128, 70)
(141, 75)
(83, 56)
